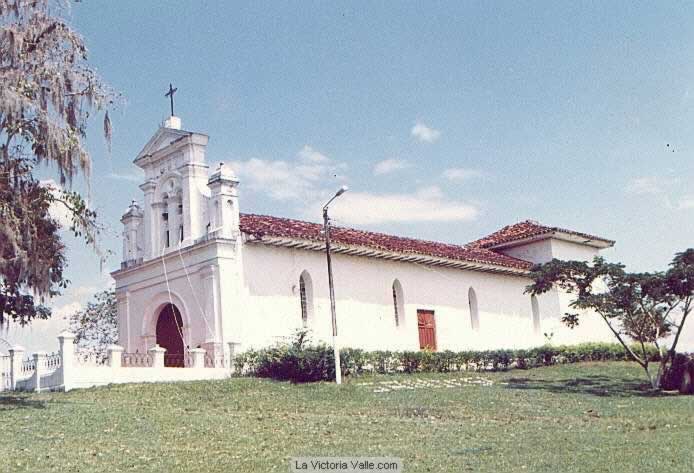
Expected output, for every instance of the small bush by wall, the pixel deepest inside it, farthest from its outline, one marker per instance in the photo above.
(297, 364)
(303, 362)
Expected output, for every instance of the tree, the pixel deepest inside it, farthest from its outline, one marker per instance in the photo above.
(646, 308)
(96, 327)
(47, 92)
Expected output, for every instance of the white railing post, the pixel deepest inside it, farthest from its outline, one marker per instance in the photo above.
(39, 367)
(4, 370)
(67, 358)
(157, 354)
(197, 356)
(16, 358)
(115, 354)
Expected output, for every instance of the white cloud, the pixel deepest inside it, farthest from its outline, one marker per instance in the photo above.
(127, 177)
(424, 133)
(300, 178)
(686, 202)
(64, 312)
(425, 205)
(83, 292)
(57, 210)
(311, 178)
(651, 185)
(310, 155)
(390, 165)
(461, 174)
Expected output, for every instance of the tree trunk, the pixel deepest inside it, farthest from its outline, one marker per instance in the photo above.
(654, 381)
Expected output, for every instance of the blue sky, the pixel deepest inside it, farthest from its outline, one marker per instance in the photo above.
(448, 120)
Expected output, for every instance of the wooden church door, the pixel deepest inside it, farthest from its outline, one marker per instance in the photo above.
(427, 329)
(170, 335)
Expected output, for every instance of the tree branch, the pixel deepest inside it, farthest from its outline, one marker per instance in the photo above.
(644, 364)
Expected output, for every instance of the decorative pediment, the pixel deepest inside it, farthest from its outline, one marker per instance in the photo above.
(161, 139)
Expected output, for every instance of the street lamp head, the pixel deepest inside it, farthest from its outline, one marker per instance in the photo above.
(341, 191)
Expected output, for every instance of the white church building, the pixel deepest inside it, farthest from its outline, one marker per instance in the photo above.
(197, 272)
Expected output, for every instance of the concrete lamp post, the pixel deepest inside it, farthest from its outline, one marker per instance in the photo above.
(326, 232)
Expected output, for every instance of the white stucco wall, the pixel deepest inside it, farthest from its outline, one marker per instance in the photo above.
(545, 250)
(365, 306)
(686, 341)
(567, 251)
(536, 251)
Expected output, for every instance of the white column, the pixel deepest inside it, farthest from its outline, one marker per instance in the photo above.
(157, 354)
(194, 178)
(4, 370)
(157, 229)
(39, 365)
(115, 353)
(67, 358)
(123, 307)
(150, 220)
(16, 358)
(148, 341)
(210, 296)
(197, 356)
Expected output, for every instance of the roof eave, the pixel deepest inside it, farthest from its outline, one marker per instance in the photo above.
(586, 240)
(356, 250)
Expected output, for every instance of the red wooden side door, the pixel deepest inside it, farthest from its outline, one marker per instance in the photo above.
(427, 329)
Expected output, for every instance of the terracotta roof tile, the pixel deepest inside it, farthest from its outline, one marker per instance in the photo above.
(262, 225)
(527, 229)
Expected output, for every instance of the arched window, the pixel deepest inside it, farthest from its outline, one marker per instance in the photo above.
(474, 312)
(398, 304)
(535, 306)
(180, 221)
(306, 298)
(166, 240)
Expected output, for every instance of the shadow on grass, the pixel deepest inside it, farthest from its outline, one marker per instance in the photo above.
(603, 386)
(19, 402)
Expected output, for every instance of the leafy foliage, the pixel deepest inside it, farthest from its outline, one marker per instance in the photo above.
(96, 326)
(648, 308)
(298, 361)
(47, 92)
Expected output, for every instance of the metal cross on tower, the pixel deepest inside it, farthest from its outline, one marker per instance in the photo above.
(170, 94)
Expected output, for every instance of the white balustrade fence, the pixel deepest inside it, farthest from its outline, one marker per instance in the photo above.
(70, 368)
(136, 360)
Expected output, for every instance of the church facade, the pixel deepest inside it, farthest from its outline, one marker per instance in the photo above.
(197, 272)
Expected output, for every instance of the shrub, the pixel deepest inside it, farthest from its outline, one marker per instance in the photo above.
(296, 364)
(298, 360)
(352, 361)
(673, 377)
(411, 361)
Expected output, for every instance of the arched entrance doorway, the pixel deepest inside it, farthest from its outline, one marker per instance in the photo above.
(170, 335)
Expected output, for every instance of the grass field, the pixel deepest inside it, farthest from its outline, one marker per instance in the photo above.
(585, 417)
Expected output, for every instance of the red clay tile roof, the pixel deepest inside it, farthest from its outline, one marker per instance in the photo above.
(527, 229)
(260, 226)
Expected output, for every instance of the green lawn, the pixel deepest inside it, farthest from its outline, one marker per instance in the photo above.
(585, 417)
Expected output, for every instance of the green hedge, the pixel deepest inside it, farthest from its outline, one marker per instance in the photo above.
(299, 362)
